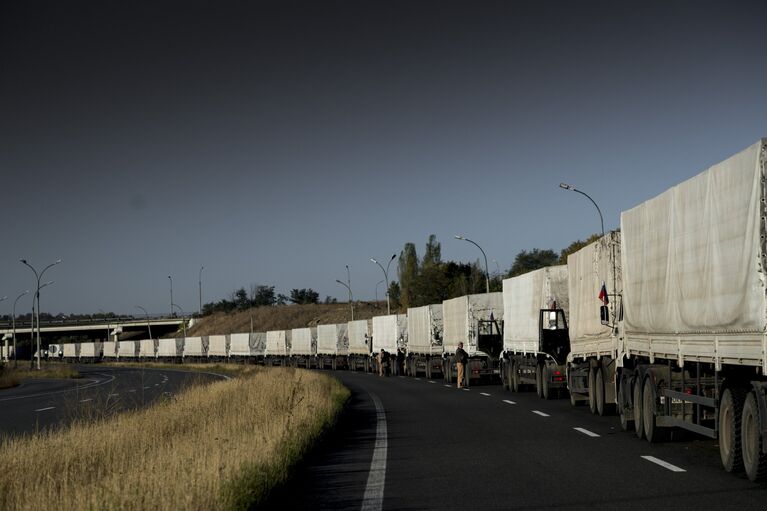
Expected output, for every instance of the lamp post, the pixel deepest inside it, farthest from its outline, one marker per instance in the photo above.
(487, 272)
(15, 360)
(109, 326)
(183, 322)
(171, 295)
(351, 298)
(1, 353)
(199, 281)
(566, 186)
(386, 278)
(148, 326)
(37, 297)
(377, 284)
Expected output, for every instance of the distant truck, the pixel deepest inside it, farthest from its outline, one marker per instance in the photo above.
(477, 322)
(303, 351)
(389, 334)
(332, 346)
(277, 347)
(535, 337)
(424, 340)
(360, 341)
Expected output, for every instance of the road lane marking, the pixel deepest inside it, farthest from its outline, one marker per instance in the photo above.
(372, 500)
(432, 382)
(484, 394)
(86, 400)
(467, 390)
(93, 383)
(147, 388)
(587, 432)
(448, 386)
(509, 402)
(110, 395)
(132, 390)
(418, 379)
(664, 464)
(537, 412)
(44, 409)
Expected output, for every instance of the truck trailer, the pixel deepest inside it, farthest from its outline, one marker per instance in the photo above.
(389, 334)
(359, 345)
(424, 340)
(277, 347)
(303, 348)
(477, 322)
(332, 346)
(535, 337)
(693, 334)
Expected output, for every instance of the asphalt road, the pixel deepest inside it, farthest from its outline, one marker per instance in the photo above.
(486, 448)
(48, 403)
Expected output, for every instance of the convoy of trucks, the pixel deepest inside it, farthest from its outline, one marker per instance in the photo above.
(663, 322)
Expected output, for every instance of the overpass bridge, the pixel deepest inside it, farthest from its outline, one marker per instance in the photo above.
(114, 329)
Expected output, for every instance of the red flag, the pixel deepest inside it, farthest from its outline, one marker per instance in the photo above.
(603, 294)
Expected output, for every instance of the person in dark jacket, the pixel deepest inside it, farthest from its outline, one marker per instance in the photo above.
(461, 359)
(400, 361)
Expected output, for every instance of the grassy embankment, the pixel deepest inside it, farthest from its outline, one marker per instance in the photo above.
(10, 377)
(218, 446)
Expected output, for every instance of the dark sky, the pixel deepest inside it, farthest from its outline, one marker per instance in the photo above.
(277, 142)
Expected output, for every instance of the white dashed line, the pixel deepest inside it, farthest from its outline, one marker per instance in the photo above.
(132, 390)
(432, 382)
(509, 402)
(484, 394)
(537, 412)
(86, 400)
(467, 390)
(587, 432)
(664, 464)
(44, 409)
(147, 388)
(372, 500)
(448, 386)
(418, 379)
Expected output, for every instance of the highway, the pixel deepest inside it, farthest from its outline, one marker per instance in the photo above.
(48, 403)
(428, 446)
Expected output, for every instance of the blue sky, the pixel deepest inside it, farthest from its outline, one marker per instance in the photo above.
(276, 142)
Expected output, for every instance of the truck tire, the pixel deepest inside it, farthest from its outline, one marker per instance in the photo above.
(652, 432)
(599, 392)
(515, 385)
(428, 369)
(505, 376)
(627, 424)
(754, 461)
(592, 389)
(546, 391)
(730, 416)
(637, 402)
(538, 382)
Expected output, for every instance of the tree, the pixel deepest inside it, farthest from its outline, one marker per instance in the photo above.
(407, 269)
(532, 260)
(302, 296)
(263, 296)
(576, 246)
(241, 300)
(433, 254)
(394, 295)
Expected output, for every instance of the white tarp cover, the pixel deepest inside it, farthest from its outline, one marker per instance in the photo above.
(194, 347)
(523, 298)
(110, 349)
(276, 343)
(70, 350)
(424, 329)
(389, 332)
(587, 269)
(257, 343)
(332, 339)
(359, 337)
(127, 349)
(217, 346)
(239, 345)
(460, 316)
(146, 348)
(692, 255)
(166, 348)
(303, 341)
(87, 349)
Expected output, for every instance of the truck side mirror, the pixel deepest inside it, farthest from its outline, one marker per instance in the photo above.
(604, 314)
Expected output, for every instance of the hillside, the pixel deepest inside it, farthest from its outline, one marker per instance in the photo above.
(283, 317)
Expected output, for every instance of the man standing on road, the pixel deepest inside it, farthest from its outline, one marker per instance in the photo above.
(461, 358)
(381, 357)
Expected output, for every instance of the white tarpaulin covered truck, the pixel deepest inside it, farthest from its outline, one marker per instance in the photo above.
(535, 336)
(694, 329)
(195, 347)
(332, 345)
(127, 349)
(147, 348)
(476, 321)
(277, 347)
(218, 346)
(239, 345)
(595, 287)
(389, 334)
(166, 348)
(424, 340)
(359, 344)
(110, 349)
(303, 351)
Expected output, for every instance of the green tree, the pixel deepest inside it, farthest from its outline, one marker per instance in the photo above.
(303, 296)
(263, 296)
(433, 254)
(407, 269)
(394, 295)
(527, 261)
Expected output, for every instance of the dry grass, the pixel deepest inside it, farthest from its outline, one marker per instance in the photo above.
(10, 377)
(283, 317)
(217, 446)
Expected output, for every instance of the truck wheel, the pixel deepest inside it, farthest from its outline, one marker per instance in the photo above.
(515, 386)
(538, 382)
(754, 461)
(651, 430)
(599, 392)
(730, 415)
(592, 389)
(505, 376)
(637, 402)
(546, 391)
(626, 422)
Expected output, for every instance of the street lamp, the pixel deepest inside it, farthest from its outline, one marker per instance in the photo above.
(566, 186)
(386, 278)
(200, 282)
(377, 284)
(351, 298)
(37, 297)
(1, 355)
(171, 295)
(487, 272)
(183, 322)
(15, 360)
(148, 326)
